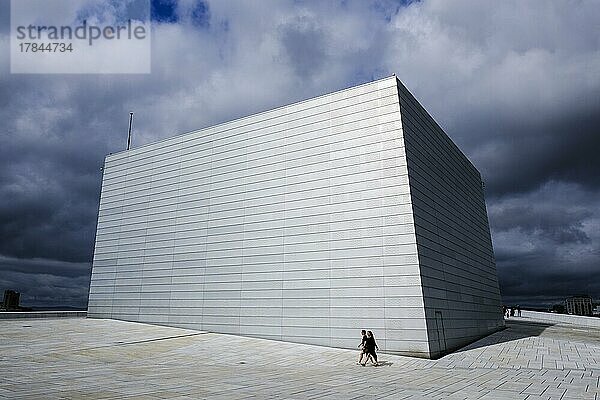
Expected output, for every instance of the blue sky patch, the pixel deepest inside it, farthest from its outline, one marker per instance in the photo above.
(164, 11)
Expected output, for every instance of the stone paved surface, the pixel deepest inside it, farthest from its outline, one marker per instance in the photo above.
(103, 359)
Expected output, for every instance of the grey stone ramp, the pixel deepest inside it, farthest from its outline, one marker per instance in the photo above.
(106, 359)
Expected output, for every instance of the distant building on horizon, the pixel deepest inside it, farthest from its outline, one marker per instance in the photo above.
(11, 300)
(306, 223)
(579, 305)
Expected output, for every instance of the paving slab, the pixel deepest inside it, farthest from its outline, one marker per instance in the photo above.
(83, 358)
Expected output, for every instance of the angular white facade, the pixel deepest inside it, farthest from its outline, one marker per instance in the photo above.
(306, 223)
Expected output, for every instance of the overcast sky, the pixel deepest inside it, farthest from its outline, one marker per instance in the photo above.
(516, 84)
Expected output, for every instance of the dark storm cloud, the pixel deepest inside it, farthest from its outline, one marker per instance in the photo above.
(535, 281)
(559, 228)
(51, 171)
(46, 283)
(547, 243)
(520, 155)
(515, 84)
(48, 291)
(35, 266)
(523, 286)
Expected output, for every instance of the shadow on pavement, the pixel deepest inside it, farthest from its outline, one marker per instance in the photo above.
(383, 363)
(515, 329)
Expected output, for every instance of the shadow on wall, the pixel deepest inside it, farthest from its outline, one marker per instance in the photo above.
(515, 330)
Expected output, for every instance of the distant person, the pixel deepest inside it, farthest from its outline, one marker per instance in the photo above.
(512, 311)
(519, 311)
(370, 346)
(362, 346)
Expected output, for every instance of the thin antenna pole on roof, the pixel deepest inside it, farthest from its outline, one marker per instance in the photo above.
(129, 133)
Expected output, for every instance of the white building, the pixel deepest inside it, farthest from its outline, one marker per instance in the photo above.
(579, 305)
(305, 223)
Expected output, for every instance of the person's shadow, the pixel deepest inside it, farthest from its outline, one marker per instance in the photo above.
(384, 363)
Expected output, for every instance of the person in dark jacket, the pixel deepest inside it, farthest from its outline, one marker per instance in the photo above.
(361, 346)
(370, 346)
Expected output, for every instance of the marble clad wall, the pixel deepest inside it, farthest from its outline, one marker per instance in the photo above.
(294, 224)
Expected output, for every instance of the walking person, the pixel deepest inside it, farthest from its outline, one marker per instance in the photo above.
(519, 311)
(361, 346)
(370, 346)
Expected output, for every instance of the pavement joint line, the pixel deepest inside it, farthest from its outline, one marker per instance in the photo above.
(117, 344)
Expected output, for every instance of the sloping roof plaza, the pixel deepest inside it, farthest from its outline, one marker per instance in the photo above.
(102, 359)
